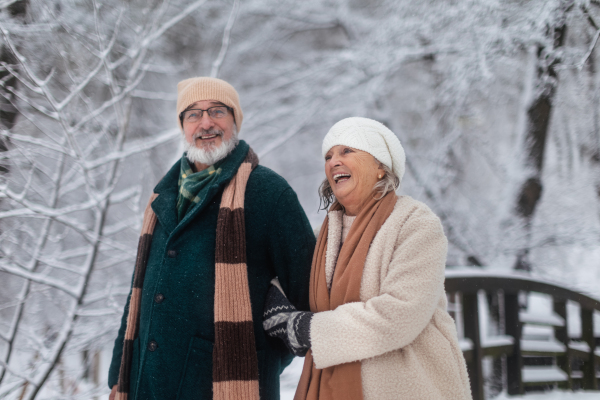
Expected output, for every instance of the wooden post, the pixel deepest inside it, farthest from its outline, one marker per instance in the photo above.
(514, 362)
(561, 333)
(471, 323)
(495, 382)
(590, 382)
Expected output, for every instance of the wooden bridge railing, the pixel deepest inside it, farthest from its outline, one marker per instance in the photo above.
(467, 284)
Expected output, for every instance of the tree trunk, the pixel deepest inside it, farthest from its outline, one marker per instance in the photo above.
(538, 116)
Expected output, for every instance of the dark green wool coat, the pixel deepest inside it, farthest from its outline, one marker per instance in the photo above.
(172, 356)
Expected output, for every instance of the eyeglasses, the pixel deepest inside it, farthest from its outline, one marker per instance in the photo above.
(195, 115)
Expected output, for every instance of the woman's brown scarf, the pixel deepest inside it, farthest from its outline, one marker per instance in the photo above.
(235, 363)
(341, 382)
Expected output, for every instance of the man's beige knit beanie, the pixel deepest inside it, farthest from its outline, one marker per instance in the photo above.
(371, 136)
(200, 88)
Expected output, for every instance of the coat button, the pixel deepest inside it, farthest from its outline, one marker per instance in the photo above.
(152, 345)
(159, 298)
(172, 253)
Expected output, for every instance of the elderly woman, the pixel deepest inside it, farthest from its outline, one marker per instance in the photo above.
(378, 326)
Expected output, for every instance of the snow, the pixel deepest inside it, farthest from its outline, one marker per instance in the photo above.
(576, 374)
(549, 346)
(581, 346)
(554, 395)
(541, 319)
(496, 341)
(491, 272)
(465, 344)
(537, 332)
(289, 378)
(95, 88)
(544, 374)
(291, 375)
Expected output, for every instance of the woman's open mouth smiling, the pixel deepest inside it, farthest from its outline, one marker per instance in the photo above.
(339, 178)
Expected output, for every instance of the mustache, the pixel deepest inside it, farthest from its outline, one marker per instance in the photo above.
(207, 132)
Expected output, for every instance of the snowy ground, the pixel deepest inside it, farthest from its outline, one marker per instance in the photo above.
(558, 395)
(290, 377)
(289, 380)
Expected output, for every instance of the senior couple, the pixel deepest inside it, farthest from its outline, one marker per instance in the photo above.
(229, 284)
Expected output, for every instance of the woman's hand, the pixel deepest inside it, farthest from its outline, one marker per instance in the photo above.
(282, 320)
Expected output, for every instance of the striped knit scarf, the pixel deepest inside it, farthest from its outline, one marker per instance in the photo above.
(235, 364)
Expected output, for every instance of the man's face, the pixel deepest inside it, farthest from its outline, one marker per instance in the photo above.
(209, 134)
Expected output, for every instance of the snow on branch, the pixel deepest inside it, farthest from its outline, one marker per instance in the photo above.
(70, 194)
(135, 147)
(167, 25)
(225, 43)
(37, 278)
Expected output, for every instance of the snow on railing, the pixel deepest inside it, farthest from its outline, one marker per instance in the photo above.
(469, 287)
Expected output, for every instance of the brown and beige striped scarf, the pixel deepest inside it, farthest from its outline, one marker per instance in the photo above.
(235, 364)
(342, 381)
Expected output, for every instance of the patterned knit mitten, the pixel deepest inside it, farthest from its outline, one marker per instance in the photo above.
(282, 320)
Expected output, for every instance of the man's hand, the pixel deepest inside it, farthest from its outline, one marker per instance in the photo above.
(282, 320)
(113, 393)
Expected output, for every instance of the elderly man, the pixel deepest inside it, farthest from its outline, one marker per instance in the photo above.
(218, 228)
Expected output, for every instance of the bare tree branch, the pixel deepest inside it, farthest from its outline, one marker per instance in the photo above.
(225, 43)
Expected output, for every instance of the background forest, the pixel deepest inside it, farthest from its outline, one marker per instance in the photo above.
(497, 104)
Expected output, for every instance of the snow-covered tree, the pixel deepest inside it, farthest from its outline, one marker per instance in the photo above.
(77, 156)
(496, 102)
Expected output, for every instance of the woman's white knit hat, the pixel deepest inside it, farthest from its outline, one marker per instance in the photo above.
(371, 136)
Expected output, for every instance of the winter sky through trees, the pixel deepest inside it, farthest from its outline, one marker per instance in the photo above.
(497, 103)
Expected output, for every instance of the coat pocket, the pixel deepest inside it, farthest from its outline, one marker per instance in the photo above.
(196, 381)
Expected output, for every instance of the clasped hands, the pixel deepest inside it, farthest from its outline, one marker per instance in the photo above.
(282, 320)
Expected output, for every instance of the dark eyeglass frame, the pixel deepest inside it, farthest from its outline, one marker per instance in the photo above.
(202, 112)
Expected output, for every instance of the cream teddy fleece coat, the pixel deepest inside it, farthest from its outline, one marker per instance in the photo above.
(400, 331)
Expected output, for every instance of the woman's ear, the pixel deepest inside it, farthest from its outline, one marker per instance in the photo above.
(380, 171)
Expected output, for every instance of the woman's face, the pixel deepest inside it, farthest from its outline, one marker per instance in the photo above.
(352, 175)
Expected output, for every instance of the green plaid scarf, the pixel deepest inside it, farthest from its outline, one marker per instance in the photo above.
(193, 186)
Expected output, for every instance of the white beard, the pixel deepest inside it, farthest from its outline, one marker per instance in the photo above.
(213, 154)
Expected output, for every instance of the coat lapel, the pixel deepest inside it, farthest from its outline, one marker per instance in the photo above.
(334, 240)
(164, 206)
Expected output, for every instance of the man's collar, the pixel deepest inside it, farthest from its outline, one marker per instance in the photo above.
(167, 189)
